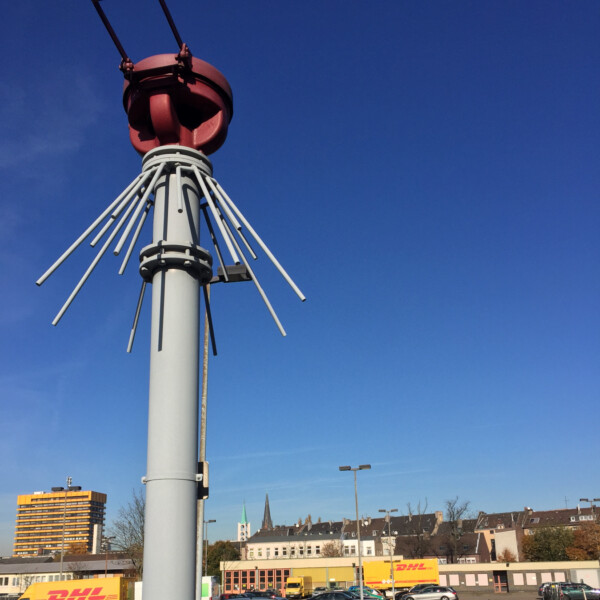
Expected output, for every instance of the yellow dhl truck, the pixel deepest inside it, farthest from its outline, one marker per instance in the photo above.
(298, 587)
(407, 573)
(109, 588)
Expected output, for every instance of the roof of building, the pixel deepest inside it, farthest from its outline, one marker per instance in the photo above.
(559, 518)
(70, 563)
(503, 520)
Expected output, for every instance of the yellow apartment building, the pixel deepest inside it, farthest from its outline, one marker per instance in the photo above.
(48, 522)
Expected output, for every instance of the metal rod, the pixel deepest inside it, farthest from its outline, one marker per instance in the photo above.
(179, 190)
(219, 199)
(136, 318)
(93, 265)
(111, 31)
(208, 322)
(171, 23)
(216, 215)
(85, 234)
(135, 237)
(138, 210)
(223, 205)
(261, 243)
(258, 286)
(130, 197)
(215, 242)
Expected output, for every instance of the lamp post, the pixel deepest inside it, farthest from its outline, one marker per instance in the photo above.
(592, 507)
(590, 501)
(389, 520)
(206, 541)
(360, 575)
(105, 546)
(62, 544)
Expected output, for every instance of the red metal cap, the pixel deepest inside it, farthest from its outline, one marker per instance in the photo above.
(170, 100)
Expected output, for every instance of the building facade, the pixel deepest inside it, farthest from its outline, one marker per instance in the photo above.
(59, 521)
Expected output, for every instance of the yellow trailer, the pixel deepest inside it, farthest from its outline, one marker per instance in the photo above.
(406, 573)
(109, 588)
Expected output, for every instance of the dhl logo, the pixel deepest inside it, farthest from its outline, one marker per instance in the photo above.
(411, 567)
(79, 594)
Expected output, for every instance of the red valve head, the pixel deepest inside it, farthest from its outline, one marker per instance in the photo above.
(170, 100)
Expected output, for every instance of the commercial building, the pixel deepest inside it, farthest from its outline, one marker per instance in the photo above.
(63, 520)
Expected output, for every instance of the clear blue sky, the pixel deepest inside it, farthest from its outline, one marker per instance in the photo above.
(428, 174)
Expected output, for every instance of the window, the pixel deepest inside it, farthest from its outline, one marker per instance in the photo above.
(276, 552)
(284, 552)
(534, 520)
(317, 550)
(308, 550)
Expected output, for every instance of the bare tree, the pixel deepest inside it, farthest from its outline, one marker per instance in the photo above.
(417, 544)
(456, 512)
(332, 549)
(127, 530)
(78, 568)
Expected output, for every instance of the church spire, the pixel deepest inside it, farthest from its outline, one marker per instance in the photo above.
(267, 523)
(244, 531)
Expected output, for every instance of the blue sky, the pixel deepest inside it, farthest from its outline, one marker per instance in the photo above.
(428, 175)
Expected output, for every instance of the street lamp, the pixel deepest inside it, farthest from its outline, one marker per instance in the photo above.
(590, 501)
(360, 575)
(389, 520)
(592, 506)
(105, 546)
(206, 540)
(62, 544)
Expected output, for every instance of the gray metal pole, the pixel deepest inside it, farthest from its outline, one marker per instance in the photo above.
(360, 577)
(62, 544)
(174, 263)
(202, 457)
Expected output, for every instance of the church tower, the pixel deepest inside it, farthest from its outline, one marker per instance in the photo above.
(243, 527)
(267, 523)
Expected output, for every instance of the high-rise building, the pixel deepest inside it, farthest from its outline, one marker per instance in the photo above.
(59, 521)
(244, 532)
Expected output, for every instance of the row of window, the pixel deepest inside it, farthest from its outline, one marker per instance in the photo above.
(49, 535)
(69, 521)
(14, 581)
(44, 511)
(54, 527)
(349, 550)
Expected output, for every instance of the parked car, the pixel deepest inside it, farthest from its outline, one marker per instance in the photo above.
(565, 590)
(433, 592)
(336, 595)
(415, 589)
(319, 590)
(368, 592)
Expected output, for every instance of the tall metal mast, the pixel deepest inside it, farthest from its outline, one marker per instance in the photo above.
(179, 109)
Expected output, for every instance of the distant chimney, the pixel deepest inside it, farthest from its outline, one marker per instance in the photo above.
(439, 516)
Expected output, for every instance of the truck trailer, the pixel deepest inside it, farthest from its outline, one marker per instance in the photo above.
(108, 588)
(406, 573)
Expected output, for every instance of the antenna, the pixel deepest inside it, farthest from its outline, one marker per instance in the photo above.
(178, 109)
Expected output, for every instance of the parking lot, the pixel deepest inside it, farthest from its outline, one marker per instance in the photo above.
(490, 595)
